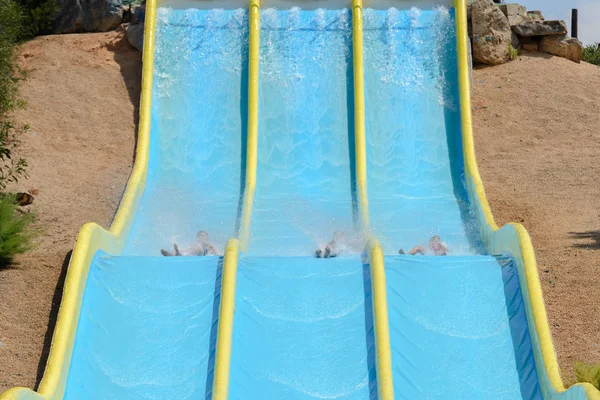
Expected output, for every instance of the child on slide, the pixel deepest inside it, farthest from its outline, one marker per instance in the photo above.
(436, 246)
(202, 247)
(333, 248)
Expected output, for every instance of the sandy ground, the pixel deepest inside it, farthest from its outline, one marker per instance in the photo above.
(537, 137)
(538, 142)
(81, 93)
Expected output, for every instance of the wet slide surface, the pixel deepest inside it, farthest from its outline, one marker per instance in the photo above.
(303, 326)
(199, 113)
(304, 166)
(145, 329)
(147, 324)
(457, 323)
(303, 330)
(458, 329)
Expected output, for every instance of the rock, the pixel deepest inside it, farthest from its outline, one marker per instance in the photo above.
(137, 13)
(491, 34)
(531, 47)
(135, 35)
(87, 15)
(514, 40)
(469, 20)
(562, 46)
(540, 28)
(515, 13)
(535, 15)
(530, 44)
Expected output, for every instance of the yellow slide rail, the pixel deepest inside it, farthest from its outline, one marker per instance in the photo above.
(512, 238)
(385, 387)
(93, 238)
(234, 246)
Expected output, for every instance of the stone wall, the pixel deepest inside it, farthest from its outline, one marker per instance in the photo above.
(497, 32)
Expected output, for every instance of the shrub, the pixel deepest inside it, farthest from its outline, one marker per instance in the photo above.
(591, 54)
(513, 53)
(38, 17)
(15, 235)
(12, 167)
(10, 31)
(588, 373)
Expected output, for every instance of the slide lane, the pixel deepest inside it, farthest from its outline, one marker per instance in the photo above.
(303, 192)
(303, 326)
(458, 325)
(199, 129)
(303, 330)
(148, 325)
(146, 329)
(459, 329)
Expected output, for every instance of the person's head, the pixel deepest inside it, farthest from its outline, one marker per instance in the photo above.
(339, 235)
(202, 236)
(434, 241)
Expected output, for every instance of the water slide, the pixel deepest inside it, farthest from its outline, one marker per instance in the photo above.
(271, 126)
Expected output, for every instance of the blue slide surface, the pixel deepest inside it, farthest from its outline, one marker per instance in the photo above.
(303, 327)
(457, 323)
(147, 328)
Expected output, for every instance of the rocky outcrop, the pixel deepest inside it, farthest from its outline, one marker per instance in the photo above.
(491, 33)
(515, 13)
(135, 30)
(540, 28)
(495, 30)
(135, 35)
(562, 46)
(535, 15)
(88, 15)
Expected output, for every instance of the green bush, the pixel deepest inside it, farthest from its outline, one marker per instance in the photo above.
(38, 17)
(15, 235)
(588, 373)
(10, 31)
(12, 167)
(591, 54)
(513, 53)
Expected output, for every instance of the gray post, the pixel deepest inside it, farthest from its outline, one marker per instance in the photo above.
(574, 18)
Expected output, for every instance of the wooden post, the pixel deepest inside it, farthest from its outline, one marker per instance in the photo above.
(574, 18)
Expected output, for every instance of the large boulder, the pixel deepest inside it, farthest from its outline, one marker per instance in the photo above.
(562, 46)
(515, 13)
(535, 15)
(135, 35)
(135, 30)
(469, 21)
(88, 15)
(540, 28)
(491, 33)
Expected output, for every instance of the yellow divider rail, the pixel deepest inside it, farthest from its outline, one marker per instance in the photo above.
(385, 386)
(234, 246)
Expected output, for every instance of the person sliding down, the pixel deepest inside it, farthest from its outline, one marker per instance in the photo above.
(202, 247)
(333, 248)
(437, 247)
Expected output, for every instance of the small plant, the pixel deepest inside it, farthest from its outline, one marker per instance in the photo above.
(591, 54)
(512, 52)
(11, 167)
(589, 373)
(15, 235)
(38, 17)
